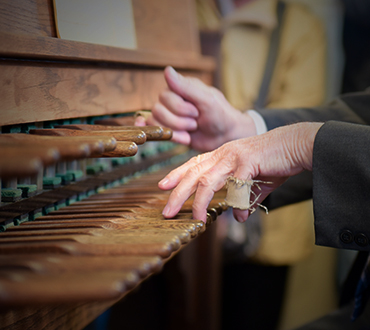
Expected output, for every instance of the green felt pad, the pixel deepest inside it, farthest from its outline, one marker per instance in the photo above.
(27, 189)
(11, 192)
(68, 177)
(76, 174)
(52, 181)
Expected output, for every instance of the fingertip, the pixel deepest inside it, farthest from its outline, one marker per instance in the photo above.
(200, 215)
(140, 121)
(163, 183)
(192, 111)
(170, 70)
(181, 137)
(241, 215)
(173, 80)
(170, 73)
(166, 211)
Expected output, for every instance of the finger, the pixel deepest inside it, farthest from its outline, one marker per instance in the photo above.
(185, 188)
(209, 183)
(172, 179)
(182, 137)
(167, 118)
(191, 89)
(241, 215)
(178, 105)
(256, 198)
(259, 191)
(140, 121)
(245, 172)
(152, 122)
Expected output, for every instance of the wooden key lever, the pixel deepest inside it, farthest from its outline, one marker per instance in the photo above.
(67, 149)
(20, 166)
(130, 121)
(153, 133)
(26, 289)
(53, 263)
(137, 136)
(121, 148)
(46, 155)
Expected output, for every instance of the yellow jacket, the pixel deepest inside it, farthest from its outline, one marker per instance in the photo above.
(298, 80)
(300, 71)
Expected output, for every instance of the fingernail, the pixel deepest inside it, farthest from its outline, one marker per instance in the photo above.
(173, 72)
(239, 219)
(163, 182)
(166, 210)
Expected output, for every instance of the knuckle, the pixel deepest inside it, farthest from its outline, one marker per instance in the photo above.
(181, 108)
(193, 171)
(205, 181)
(176, 194)
(216, 94)
(197, 208)
(194, 159)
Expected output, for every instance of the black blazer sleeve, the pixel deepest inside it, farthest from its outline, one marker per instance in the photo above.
(341, 186)
(341, 170)
(351, 108)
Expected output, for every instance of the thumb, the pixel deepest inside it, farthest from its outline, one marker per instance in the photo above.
(190, 89)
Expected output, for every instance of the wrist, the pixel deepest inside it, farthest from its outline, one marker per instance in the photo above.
(244, 126)
(308, 133)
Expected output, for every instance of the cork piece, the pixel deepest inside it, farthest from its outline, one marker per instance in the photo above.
(240, 194)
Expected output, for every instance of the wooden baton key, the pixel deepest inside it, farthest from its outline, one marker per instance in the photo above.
(123, 149)
(53, 263)
(137, 136)
(153, 133)
(47, 155)
(68, 149)
(19, 166)
(24, 288)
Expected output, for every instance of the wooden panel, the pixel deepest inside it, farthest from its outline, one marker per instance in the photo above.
(166, 25)
(32, 17)
(24, 46)
(32, 92)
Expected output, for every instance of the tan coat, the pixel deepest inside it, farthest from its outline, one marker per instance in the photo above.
(298, 81)
(299, 76)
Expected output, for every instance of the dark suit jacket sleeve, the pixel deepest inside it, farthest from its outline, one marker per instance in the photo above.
(352, 108)
(341, 188)
(341, 185)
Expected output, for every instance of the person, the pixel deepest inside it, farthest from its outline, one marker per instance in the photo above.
(334, 152)
(264, 63)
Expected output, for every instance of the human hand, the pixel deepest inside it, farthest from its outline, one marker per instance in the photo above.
(271, 157)
(199, 115)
